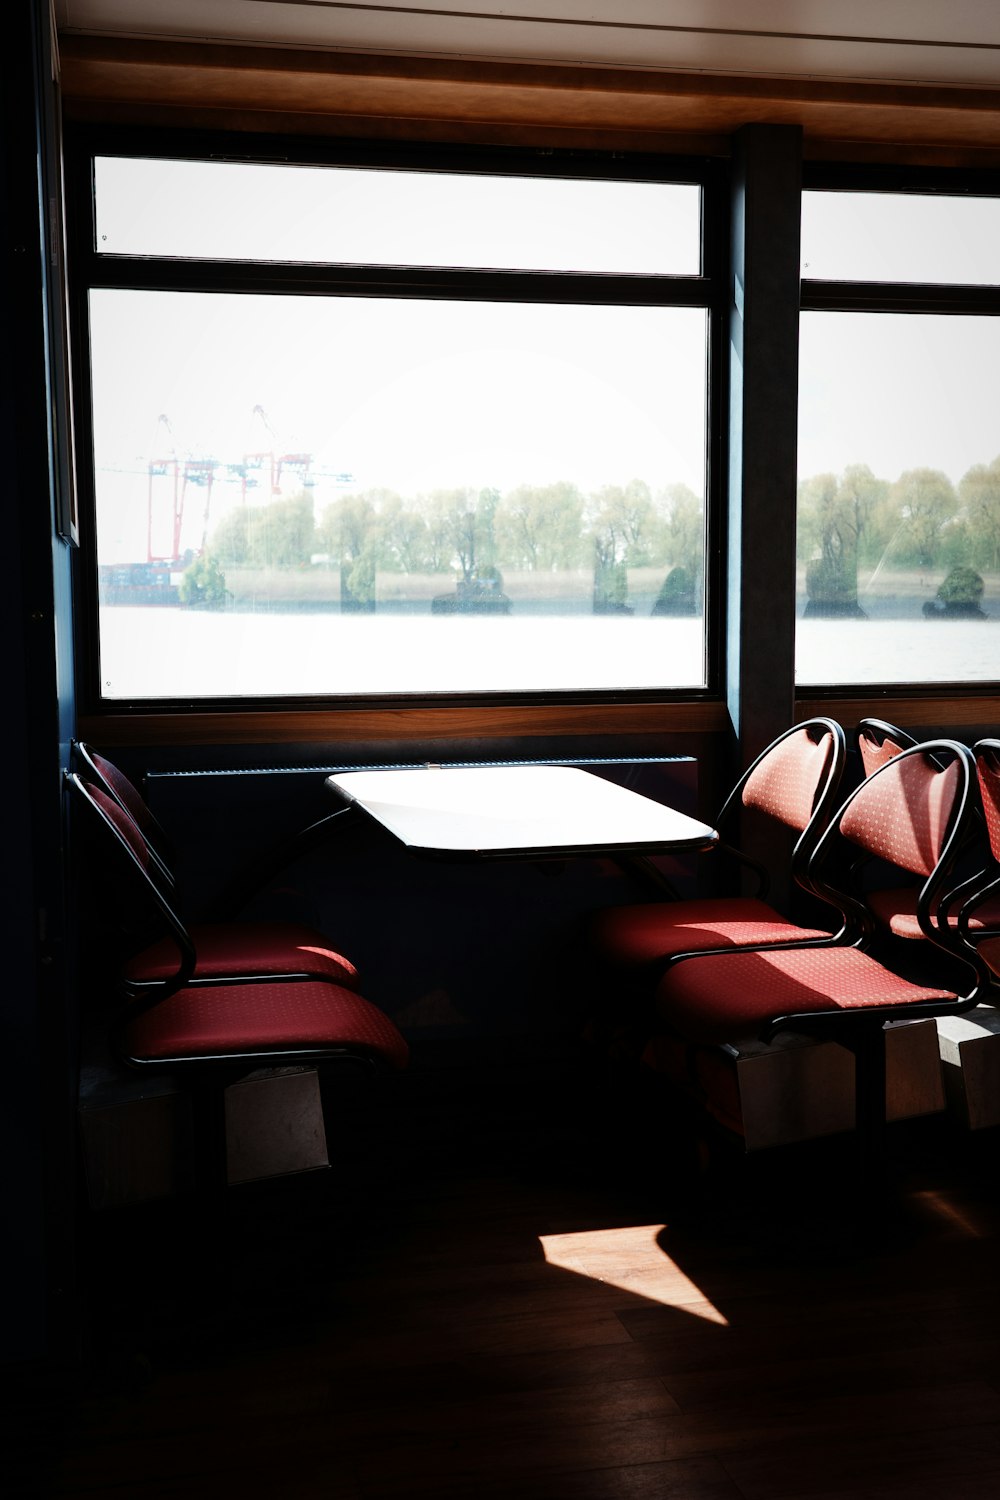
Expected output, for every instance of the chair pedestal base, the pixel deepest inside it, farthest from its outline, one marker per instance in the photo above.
(798, 1088)
(970, 1062)
(137, 1133)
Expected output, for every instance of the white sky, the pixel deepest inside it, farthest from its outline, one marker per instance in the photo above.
(900, 237)
(327, 215)
(899, 391)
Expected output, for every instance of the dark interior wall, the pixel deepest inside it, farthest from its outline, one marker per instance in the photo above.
(36, 1102)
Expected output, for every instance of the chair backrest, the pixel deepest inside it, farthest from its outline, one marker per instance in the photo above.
(979, 913)
(794, 775)
(795, 781)
(880, 741)
(126, 841)
(987, 753)
(113, 782)
(912, 812)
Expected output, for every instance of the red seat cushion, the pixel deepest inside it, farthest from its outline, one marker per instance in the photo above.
(258, 948)
(719, 997)
(897, 910)
(635, 937)
(285, 1016)
(989, 951)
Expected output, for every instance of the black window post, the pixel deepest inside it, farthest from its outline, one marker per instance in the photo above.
(763, 412)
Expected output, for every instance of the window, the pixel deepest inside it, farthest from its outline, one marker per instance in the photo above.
(899, 447)
(901, 237)
(367, 432)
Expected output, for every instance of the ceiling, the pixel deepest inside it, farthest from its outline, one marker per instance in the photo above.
(868, 41)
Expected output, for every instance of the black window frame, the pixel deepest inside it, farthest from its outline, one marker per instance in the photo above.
(92, 270)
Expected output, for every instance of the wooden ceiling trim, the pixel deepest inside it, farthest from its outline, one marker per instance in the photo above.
(243, 87)
(391, 128)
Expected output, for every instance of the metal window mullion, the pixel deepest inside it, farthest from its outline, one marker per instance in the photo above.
(148, 274)
(907, 297)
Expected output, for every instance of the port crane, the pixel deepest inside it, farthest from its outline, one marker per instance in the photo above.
(262, 461)
(179, 474)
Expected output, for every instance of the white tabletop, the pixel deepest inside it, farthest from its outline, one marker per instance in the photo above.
(517, 809)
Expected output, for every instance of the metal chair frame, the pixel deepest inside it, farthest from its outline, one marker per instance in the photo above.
(861, 1031)
(208, 1074)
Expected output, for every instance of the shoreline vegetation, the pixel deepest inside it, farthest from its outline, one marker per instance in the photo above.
(910, 587)
(901, 593)
(865, 548)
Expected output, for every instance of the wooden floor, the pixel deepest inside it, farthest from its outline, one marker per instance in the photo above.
(496, 1292)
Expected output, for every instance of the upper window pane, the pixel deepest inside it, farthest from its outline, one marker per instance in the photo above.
(900, 237)
(342, 215)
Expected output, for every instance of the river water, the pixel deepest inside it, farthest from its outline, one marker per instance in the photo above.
(149, 652)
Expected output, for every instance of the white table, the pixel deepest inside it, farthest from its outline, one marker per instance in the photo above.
(517, 810)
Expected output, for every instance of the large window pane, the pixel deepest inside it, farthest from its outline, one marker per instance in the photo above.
(899, 499)
(325, 215)
(361, 496)
(901, 237)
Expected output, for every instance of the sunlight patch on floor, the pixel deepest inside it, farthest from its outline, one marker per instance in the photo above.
(632, 1260)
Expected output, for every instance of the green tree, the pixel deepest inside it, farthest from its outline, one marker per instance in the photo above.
(230, 537)
(863, 514)
(351, 532)
(840, 520)
(826, 526)
(979, 494)
(539, 526)
(346, 527)
(405, 533)
(277, 535)
(622, 526)
(624, 523)
(487, 505)
(684, 530)
(460, 529)
(283, 533)
(203, 583)
(816, 499)
(925, 502)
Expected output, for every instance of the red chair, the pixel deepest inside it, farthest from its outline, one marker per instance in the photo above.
(222, 948)
(879, 741)
(795, 781)
(101, 772)
(895, 907)
(913, 812)
(979, 917)
(215, 1010)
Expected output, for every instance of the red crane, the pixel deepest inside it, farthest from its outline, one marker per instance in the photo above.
(164, 466)
(179, 473)
(169, 477)
(264, 456)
